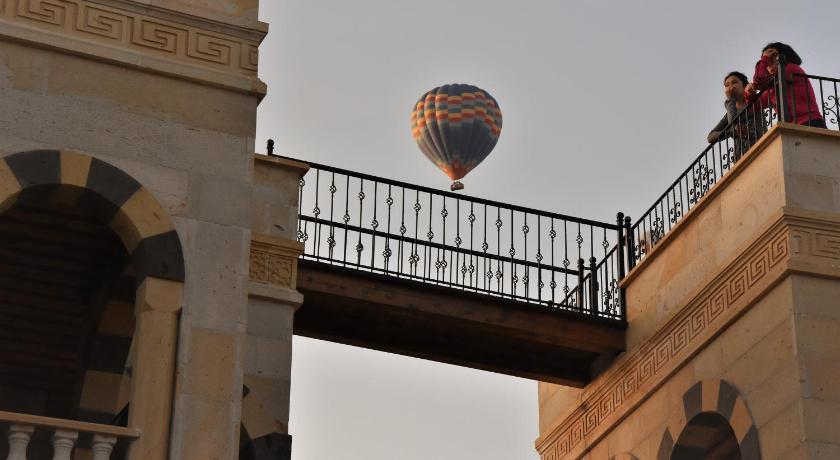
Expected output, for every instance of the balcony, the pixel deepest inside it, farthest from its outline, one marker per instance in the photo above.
(33, 437)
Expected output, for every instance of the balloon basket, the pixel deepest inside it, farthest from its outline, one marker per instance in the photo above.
(457, 185)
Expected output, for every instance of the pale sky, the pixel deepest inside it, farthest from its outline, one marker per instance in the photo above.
(604, 105)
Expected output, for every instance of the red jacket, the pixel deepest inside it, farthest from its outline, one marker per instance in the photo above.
(800, 94)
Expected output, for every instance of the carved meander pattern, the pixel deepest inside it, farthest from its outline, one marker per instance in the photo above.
(689, 329)
(139, 32)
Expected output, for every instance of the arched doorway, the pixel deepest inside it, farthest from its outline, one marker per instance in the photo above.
(708, 436)
(91, 283)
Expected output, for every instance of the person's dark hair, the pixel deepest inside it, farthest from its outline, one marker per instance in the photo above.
(785, 49)
(738, 75)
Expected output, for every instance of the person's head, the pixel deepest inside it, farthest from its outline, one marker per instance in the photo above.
(733, 85)
(775, 49)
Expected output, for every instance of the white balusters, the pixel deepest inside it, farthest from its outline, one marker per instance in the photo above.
(63, 442)
(19, 436)
(102, 446)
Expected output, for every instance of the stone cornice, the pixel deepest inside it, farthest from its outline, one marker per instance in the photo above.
(140, 36)
(795, 241)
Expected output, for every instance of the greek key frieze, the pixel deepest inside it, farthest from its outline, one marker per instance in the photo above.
(135, 31)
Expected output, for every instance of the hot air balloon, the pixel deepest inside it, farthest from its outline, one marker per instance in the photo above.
(456, 126)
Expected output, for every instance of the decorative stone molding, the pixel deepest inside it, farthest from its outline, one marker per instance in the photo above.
(797, 241)
(274, 261)
(139, 35)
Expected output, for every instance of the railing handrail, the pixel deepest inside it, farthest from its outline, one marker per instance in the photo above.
(71, 425)
(710, 146)
(457, 196)
(820, 77)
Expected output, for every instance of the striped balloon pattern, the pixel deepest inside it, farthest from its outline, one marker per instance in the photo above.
(456, 126)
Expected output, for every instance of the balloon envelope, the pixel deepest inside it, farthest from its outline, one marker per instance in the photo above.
(456, 126)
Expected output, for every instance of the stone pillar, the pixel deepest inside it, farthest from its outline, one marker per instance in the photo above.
(272, 302)
(158, 305)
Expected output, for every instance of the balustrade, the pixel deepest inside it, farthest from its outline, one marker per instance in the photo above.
(68, 439)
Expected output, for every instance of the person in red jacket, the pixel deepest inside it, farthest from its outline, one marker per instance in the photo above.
(799, 94)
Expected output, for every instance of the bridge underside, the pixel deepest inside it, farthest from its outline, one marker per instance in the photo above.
(451, 326)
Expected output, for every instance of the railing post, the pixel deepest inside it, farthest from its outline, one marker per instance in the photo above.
(780, 91)
(631, 245)
(19, 437)
(593, 286)
(580, 286)
(63, 442)
(621, 245)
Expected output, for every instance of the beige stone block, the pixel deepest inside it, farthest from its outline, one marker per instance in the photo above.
(652, 416)
(213, 366)
(270, 319)
(709, 363)
(274, 358)
(822, 420)
(217, 271)
(762, 360)
(772, 396)
(160, 295)
(210, 429)
(220, 200)
(782, 433)
(100, 391)
(212, 153)
(812, 192)
(145, 93)
(823, 450)
(9, 186)
(773, 309)
(678, 384)
(820, 378)
(74, 168)
(559, 401)
(599, 450)
(140, 217)
(816, 296)
(817, 336)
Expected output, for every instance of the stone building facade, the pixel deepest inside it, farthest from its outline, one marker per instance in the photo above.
(130, 187)
(734, 326)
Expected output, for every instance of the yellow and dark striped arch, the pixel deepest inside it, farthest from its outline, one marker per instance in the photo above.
(719, 397)
(111, 195)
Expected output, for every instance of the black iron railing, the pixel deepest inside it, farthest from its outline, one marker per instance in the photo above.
(718, 158)
(551, 260)
(374, 224)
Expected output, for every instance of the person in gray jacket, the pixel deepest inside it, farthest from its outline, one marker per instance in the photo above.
(744, 130)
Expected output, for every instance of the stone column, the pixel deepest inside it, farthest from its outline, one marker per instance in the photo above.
(272, 302)
(158, 305)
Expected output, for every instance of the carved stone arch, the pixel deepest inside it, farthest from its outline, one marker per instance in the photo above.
(105, 193)
(711, 401)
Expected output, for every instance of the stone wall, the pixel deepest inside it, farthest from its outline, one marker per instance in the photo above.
(166, 91)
